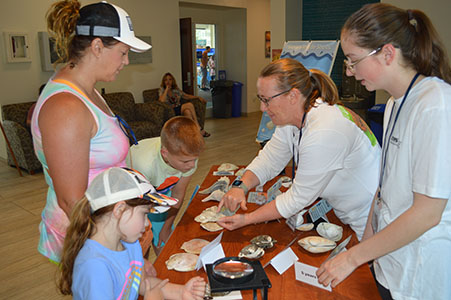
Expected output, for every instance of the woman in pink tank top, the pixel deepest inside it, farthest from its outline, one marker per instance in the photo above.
(75, 133)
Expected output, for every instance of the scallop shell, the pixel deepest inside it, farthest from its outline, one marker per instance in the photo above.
(330, 231)
(211, 226)
(316, 244)
(305, 227)
(182, 262)
(263, 241)
(194, 246)
(251, 251)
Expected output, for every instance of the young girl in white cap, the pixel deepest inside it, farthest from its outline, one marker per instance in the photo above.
(102, 257)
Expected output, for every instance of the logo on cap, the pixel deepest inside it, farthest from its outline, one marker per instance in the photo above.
(129, 21)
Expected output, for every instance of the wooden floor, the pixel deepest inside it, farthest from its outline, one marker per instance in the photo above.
(26, 274)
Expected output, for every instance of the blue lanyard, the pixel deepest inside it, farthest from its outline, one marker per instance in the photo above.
(299, 141)
(387, 141)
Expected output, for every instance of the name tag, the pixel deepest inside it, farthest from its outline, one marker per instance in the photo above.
(395, 141)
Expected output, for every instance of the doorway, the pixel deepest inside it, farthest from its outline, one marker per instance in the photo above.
(205, 36)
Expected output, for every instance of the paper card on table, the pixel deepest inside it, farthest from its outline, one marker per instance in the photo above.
(284, 260)
(210, 253)
(272, 191)
(319, 210)
(307, 274)
(235, 295)
(256, 197)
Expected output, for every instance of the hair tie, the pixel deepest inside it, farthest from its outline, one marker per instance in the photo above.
(309, 73)
(411, 18)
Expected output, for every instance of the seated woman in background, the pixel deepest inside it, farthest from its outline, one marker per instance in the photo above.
(173, 95)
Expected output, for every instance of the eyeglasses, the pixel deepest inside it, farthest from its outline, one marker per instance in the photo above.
(351, 65)
(265, 100)
(126, 129)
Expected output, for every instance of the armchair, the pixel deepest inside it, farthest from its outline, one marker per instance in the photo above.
(145, 119)
(152, 96)
(14, 118)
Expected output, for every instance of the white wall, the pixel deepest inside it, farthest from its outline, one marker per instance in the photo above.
(159, 19)
(278, 24)
(258, 21)
(225, 3)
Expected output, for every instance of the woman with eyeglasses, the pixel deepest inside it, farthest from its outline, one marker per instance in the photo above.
(408, 232)
(336, 155)
(75, 134)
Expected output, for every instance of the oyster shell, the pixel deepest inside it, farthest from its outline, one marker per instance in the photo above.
(263, 241)
(251, 251)
(194, 246)
(182, 262)
(330, 231)
(209, 215)
(221, 184)
(211, 226)
(216, 195)
(316, 244)
(227, 167)
(305, 227)
(286, 181)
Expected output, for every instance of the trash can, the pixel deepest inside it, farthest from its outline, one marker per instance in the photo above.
(222, 98)
(376, 120)
(236, 99)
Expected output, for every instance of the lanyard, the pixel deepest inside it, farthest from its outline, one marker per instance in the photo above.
(387, 141)
(299, 141)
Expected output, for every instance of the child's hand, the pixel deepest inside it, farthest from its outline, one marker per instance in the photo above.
(149, 269)
(154, 293)
(194, 289)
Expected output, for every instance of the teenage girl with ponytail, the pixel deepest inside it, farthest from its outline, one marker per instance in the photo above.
(408, 229)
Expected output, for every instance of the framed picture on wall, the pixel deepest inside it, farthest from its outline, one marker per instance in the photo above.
(276, 54)
(17, 47)
(267, 44)
(47, 51)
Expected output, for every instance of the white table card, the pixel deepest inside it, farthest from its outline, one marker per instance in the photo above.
(307, 274)
(284, 260)
(210, 253)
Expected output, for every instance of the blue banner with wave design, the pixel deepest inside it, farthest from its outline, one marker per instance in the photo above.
(312, 54)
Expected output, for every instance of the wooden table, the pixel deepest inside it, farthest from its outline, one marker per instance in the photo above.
(359, 285)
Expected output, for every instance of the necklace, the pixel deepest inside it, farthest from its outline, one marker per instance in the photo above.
(299, 142)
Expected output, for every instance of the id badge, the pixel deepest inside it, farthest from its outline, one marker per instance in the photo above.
(376, 214)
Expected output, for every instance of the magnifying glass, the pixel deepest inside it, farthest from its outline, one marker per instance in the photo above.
(233, 270)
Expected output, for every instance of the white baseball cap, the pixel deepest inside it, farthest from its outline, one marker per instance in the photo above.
(108, 20)
(120, 184)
